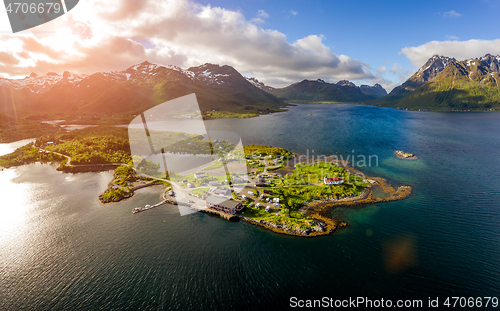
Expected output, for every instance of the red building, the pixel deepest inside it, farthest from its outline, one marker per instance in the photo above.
(333, 181)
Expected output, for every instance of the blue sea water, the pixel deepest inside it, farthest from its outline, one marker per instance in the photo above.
(60, 249)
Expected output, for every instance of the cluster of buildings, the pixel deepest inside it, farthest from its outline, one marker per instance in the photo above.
(50, 143)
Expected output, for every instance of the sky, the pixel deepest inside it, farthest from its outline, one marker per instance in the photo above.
(277, 42)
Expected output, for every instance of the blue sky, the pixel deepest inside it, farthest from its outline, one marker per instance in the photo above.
(375, 32)
(277, 42)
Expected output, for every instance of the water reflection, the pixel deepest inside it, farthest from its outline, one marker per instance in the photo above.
(14, 204)
(9, 148)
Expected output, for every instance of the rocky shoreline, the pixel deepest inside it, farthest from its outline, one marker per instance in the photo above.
(324, 226)
(126, 195)
(405, 155)
(324, 207)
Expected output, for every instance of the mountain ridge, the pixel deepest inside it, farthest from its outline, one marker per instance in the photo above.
(444, 83)
(321, 91)
(135, 89)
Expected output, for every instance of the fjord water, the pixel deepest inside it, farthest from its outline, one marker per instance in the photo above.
(60, 249)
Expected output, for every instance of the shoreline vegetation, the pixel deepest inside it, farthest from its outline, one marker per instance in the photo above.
(84, 150)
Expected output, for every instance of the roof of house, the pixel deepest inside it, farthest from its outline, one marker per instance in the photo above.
(227, 203)
(333, 179)
(221, 190)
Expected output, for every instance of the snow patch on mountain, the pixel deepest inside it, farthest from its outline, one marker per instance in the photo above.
(39, 84)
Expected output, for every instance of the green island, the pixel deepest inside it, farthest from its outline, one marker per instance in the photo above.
(125, 182)
(267, 186)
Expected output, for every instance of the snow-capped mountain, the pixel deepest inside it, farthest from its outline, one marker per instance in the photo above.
(445, 83)
(135, 89)
(432, 68)
(259, 84)
(427, 72)
(39, 84)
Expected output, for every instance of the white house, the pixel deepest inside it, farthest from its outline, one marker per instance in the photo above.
(199, 175)
(220, 191)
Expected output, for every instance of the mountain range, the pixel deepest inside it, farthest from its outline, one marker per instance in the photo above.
(321, 91)
(442, 83)
(131, 91)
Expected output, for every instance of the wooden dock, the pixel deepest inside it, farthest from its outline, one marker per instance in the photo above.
(219, 213)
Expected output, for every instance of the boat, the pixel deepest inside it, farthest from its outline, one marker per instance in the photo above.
(137, 210)
(140, 209)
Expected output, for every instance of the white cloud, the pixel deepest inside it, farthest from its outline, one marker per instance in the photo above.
(460, 50)
(381, 69)
(185, 34)
(258, 20)
(451, 14)
(294, 13)
(263, 14)
(396, 68)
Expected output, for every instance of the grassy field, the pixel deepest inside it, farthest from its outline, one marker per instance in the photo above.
(296, 219)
